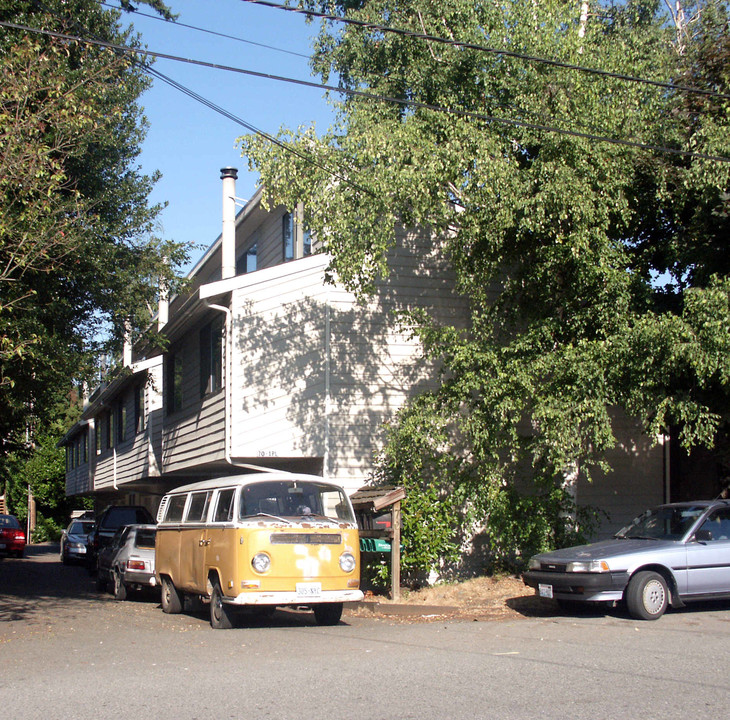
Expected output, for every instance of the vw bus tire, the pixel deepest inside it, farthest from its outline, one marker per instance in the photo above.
(170, 598)
(120, 589)
(647, 596)
(328, 613)
(221, 616)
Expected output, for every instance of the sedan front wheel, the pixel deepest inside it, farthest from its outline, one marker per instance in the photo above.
(647, 595)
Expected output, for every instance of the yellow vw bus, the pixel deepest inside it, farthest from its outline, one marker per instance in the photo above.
(260, 539)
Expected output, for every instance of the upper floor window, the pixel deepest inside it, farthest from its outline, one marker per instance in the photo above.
(296, 239)
(120, 423)
(287, 235)
(247, 260)
(174, 379)
(139, 419)
(211, 358)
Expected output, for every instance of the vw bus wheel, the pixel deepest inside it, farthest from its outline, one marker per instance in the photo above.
(120, 589)
(220, 614)
(328, 613)
(647, 596)
(170, 597)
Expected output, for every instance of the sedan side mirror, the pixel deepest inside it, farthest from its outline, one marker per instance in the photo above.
(703, 536)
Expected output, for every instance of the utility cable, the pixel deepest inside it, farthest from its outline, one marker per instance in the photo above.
(178, 23)
(482, 48)
(467, 114)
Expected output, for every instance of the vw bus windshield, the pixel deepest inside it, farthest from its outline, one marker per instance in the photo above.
(295, 500)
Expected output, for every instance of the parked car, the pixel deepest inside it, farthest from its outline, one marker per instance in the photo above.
(669, 555)
(128, 561)
(12, 536)
(108, 522)
(74, 541)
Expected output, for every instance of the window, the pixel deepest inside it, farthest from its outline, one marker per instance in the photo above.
(224, 507)
(296, 238)
(198, 509)
(106, 432)
(175, 507)
(211, 358)
(287, 235)
(718, 525)
(174, 377)
(139, 419)
(247, 261)
(121, 421)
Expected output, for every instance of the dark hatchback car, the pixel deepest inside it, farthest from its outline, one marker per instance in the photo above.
(108, 522)
(669, 555)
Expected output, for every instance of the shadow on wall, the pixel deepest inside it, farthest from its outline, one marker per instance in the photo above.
(286, 369)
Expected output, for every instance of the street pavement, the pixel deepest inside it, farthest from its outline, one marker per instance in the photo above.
(68, 652)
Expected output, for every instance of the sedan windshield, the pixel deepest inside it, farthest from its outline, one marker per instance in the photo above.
(295, 500)
(663, 523)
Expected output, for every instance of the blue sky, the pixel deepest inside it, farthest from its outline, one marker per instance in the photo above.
(188, 142)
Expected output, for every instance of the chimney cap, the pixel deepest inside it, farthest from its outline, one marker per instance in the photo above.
(229, 172)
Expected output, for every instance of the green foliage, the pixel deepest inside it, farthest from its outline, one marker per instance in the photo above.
(432, 516)
(596, 271)
(78, 256)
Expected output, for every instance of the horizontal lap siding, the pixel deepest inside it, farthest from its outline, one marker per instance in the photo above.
(128, 462)
(279, 364)
(376, 366)
(195, 437)
(637, 480)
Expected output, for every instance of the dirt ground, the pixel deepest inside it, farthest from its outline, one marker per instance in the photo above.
(483, 598)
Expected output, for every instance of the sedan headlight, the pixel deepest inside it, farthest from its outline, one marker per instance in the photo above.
(589, 566)
(347, 562)
(534, 564)
(261, 562)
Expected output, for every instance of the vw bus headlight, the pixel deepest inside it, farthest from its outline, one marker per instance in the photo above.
(261, 562)
(347, 562)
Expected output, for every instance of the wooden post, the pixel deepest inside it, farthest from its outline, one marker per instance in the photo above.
(395, 552)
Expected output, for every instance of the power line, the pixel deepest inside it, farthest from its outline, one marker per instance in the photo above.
(494, 51)
(178, 23)
(467, 114)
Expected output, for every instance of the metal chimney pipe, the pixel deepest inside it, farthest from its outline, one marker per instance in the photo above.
(229, 176)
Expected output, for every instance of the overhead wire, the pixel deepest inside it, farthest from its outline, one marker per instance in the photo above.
(483, 48)
(208, 31)
(468, 114)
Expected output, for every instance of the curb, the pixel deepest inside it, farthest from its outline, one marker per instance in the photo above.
(378, 608)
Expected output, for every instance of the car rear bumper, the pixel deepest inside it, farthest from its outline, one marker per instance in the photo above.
(139, 578)
(577, 586)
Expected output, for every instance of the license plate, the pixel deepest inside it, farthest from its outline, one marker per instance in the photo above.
(545, 591)
(307, 591)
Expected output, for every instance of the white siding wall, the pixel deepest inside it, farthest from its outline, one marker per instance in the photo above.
(295, 337)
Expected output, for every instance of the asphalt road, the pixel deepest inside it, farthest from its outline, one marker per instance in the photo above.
(68, 652)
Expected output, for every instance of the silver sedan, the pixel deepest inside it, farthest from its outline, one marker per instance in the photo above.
(670, 555)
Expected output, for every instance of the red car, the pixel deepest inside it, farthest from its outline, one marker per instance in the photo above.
(12, 536)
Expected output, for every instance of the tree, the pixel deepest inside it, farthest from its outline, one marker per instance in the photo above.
(582, 212)
(79, 262)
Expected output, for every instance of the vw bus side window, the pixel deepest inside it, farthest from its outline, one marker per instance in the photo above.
(198, 508)
(175, 508)
(224, 506)
(295, 499)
